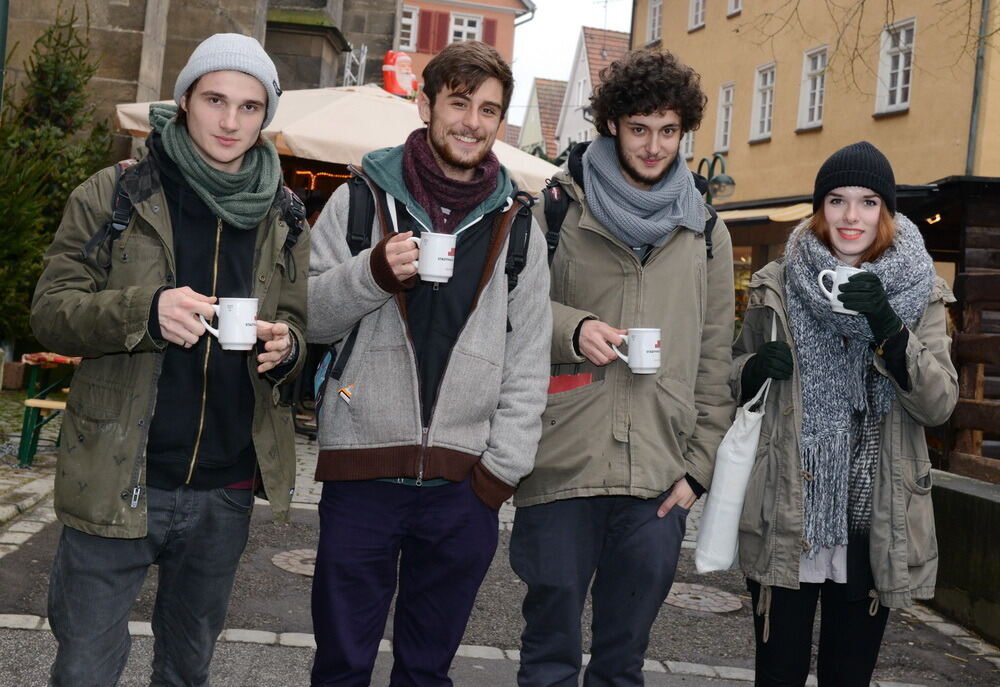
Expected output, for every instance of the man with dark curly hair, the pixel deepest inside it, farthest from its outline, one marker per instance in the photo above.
(624, 455)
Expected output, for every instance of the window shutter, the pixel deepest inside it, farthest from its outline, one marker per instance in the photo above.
(442, 26)
(425, 25)
(490, 32)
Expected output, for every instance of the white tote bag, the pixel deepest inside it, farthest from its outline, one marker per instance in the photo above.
(720, 522)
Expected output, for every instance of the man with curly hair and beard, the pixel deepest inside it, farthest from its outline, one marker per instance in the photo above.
(624, 456)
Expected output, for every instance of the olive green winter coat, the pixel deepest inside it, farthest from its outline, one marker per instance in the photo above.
(82, 307)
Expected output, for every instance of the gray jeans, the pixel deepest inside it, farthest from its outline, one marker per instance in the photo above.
(196, 538)
(630, 554)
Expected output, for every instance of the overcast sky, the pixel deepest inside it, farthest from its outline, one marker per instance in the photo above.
(544, 46)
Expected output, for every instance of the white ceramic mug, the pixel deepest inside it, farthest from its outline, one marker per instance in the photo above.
(437, 256)
(237, 323)
(839, 278)
(643, 350)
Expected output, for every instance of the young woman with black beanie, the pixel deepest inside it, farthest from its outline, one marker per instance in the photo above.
(838, 507)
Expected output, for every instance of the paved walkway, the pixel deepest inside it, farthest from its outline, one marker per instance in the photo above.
(703, 638)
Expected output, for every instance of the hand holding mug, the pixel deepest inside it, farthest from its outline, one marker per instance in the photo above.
(864, 293)
(401, 255)
(596, 339)
(177, 313)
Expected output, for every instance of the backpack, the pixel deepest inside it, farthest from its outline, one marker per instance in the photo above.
(293, 211)
(557, 203)
(360, 217)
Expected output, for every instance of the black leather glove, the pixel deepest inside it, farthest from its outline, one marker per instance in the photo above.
(773, 359)
(864, 292)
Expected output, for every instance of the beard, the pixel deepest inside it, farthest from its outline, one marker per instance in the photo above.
(438, 139)
(636, 174)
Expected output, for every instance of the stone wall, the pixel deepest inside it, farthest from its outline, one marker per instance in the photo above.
(371, 23)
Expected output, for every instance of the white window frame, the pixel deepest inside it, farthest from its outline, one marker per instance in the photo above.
(459, 23)
(654, 23)
(762, 112)
(687, 145)
(734, 7)
(812, 94)
(410, 24)
(696, 14)
(581, 92)
(724, 118)
(895, 67)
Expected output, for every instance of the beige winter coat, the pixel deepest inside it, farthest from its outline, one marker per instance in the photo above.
(903, 545)
(635, 434)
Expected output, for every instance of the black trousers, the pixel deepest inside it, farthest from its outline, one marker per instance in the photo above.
(849, 636)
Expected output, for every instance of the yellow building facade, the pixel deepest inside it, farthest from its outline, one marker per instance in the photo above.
(788, 83)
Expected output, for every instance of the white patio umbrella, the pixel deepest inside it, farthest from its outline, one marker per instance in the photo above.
(340, 125)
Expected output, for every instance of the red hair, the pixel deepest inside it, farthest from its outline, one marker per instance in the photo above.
(885, 234)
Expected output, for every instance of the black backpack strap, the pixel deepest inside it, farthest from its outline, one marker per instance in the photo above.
(293, 211)
(709, 226)
(517, 239)
(121, 213)
(360, 215)
(556, 205)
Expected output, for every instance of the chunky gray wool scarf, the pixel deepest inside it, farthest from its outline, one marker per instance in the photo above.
(834, 351)
(637, 217)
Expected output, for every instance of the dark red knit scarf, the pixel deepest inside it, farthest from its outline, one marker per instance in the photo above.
(433, 190)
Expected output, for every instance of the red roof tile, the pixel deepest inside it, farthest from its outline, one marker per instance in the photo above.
(511, 134)
(603, 47)
(550, 94)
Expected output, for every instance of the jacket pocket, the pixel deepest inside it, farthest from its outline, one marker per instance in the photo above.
(569, 423)
(381, 399)
(758, 501)
(921, 538)
(675, 410)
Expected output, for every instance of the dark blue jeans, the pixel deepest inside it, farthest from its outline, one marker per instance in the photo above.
(441, 539)
(630, 554)
(196, 539)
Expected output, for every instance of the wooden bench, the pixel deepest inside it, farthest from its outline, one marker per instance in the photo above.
(37, 413)
(45, 405)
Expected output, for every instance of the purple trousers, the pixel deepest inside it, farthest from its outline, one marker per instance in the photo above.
(441, 540)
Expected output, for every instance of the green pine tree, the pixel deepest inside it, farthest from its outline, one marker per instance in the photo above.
(49, 144)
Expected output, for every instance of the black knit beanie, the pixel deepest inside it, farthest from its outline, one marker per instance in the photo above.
(859, 164)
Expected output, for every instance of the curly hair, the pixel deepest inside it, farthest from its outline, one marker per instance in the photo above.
(648, 82)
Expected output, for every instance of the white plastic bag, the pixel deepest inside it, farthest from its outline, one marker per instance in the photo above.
(720, 522)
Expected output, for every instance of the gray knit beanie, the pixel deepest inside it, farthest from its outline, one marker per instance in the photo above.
(236, 52)
(859, 164)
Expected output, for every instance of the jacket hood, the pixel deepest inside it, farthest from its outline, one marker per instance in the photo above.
(385, 167)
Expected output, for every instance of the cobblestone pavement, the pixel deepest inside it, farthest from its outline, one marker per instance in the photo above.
(705, 613)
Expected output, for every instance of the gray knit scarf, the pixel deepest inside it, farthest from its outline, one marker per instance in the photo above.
(834, 352)
(637, 217)
(240, 199)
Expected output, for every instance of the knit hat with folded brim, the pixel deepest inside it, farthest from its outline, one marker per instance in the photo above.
(236, 52)
(859, 164)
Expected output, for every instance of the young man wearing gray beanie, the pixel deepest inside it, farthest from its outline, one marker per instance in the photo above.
(167, 434)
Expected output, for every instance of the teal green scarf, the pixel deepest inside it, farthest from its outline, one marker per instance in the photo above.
(241, 199)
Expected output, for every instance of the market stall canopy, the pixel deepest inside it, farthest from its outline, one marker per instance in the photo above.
(340, 125)
(785, 213)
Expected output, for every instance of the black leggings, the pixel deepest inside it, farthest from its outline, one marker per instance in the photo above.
(849, 636)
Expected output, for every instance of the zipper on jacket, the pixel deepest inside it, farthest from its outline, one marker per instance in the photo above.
(146, 421)
(409, 341)
(208, 354)
(423, 449)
